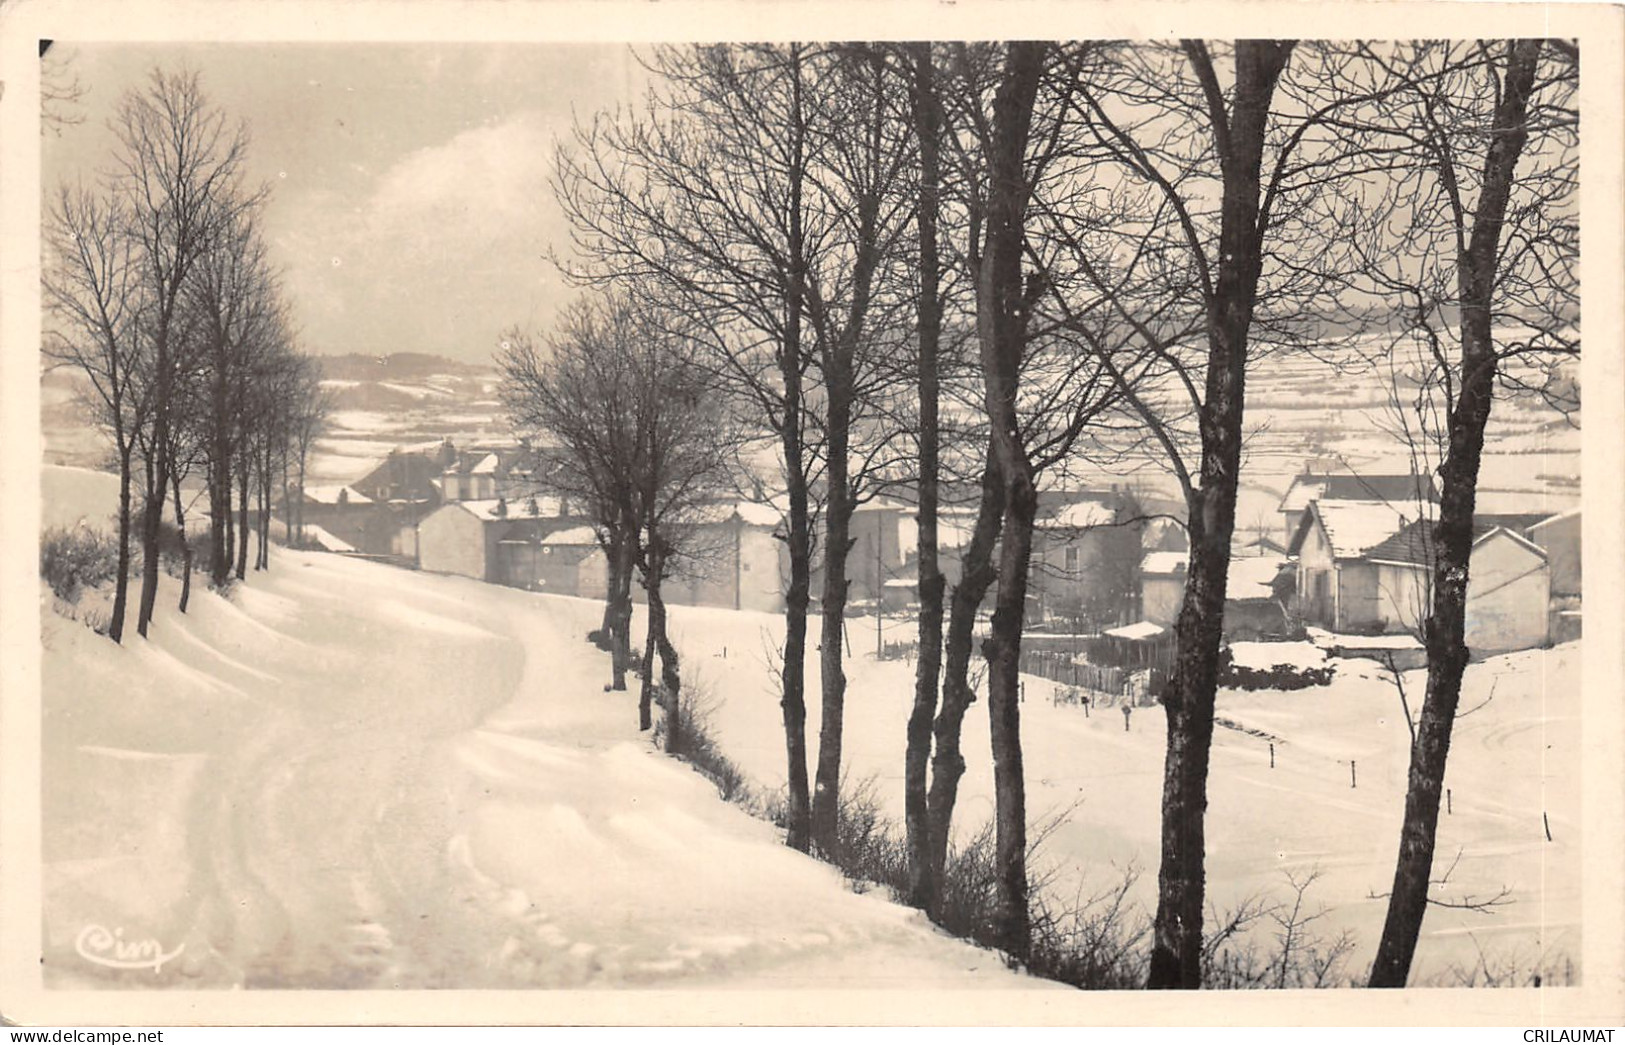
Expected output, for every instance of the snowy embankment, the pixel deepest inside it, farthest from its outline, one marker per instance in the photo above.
(1330, 806)
(349, 775)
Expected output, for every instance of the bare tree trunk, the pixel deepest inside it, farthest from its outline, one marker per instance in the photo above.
(1001, 320)
(219, 482)
(793, 701)
(923, 884)
(263, 561)
(186, 547)
(793, 698)
(151, 526)
(826, 797)
(614, 559)
(620, 630)
(976, 576)
(121, 588)
(300, 508)
(1176, 956)
(646, 691)
(243, 481)
(228, 557)
(620, 636)
(1444, 633)
(670, 677)
(287, 507)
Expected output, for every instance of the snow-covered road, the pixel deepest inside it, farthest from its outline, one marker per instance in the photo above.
(354, 776)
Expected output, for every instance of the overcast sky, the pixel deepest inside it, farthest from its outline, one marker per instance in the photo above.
(410, 207)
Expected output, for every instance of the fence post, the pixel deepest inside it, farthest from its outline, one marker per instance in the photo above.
(1353, 781)
(1272, 756)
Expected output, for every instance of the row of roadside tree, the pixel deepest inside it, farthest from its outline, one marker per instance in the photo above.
(159, 290)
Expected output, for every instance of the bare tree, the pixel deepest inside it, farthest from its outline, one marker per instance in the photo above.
(60, 90)
(1487, 273)
(1166, 119)
(864, 148)
(927, 118)
(93, 292)
(757, 193)
(314, 404)
(178, 170)
(577, 393)
(233, 295)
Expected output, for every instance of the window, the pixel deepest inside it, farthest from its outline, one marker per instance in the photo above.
(1071, 560)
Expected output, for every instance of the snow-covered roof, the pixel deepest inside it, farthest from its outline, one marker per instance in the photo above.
(1327, 639)
(716, 513)
(1353, 527)
(486, 465)
(547, 508)
(1252, 576)
(326, 540)
(753, 514)
(330, 495)
(1139, 631)
(1081, 515)
(1570, 514)
(1347, 486)
(881, 504)
(1163, 564)
(1413, 545)
(575, 535)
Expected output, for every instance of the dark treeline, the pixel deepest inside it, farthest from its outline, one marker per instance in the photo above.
(160, 291)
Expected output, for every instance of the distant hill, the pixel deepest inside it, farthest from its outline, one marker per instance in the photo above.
(407, 367)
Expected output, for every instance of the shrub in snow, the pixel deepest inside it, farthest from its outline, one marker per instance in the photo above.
(1282, 676)
(172, 548)
(699, 746)
(71, 560)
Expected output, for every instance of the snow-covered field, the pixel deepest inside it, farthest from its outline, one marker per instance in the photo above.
(1514, 759)
(348, 775)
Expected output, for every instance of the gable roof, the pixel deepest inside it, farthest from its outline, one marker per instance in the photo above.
(1413, 545)
(1517, 522)
(1551, 519)
(330, 495)
(1080, 515)
(1351, 527)
(1346, 486)
(402, 475)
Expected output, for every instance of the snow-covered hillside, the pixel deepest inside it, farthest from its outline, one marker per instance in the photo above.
(349, 775)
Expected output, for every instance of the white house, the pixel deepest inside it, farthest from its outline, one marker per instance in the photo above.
(1354, 578)
(1508, 586)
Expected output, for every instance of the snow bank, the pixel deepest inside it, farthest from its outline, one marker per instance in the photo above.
(350, 775)
(1261, 656)
(77, 497)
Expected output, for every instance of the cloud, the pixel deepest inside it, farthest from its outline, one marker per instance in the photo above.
(489, 181)
(446, 248)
